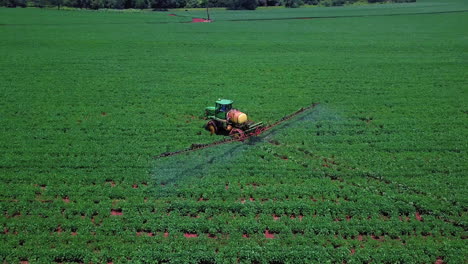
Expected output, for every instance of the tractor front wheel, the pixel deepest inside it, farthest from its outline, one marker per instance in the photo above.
(211, 126)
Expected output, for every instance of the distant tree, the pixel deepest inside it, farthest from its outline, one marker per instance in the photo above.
(274, 2)
(57, 3)
(13, 3)
(242, 4)
(312, 2)
(293, 3)
(39, 3)
(95, 4)
(117, 4)
(162, 4)
(142, 4)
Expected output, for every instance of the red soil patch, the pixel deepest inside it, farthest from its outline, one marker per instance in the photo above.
(439, 261)
(135, 186)
(348, 217)
(418, 216)
(140, 233)
(172, 15)
(226, 187)
(110, 262)
(268, 234)
(188, 235)
(211, 236)
(242, 200)
(352, 251)
(166, 234)
(59, 229)
(359, 238)
(116, 212)
(200, 199)
(74, 233)
(245, 235)
(251, 199)
(275, 217)
(24, 262)
(66, 199)
(199, 20)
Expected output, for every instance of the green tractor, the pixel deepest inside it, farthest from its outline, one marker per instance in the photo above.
(225, 120)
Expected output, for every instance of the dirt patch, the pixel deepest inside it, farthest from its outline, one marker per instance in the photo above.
(142, 233)
(269, 235)
(189, 235)
(116, 212)
(201, 20)
(418, 217)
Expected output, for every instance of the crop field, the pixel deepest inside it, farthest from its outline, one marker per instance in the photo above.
(375, 173)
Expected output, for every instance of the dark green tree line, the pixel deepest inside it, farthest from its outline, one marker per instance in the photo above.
(166, 4)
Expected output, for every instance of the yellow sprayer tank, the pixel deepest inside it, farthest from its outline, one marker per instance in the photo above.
(236, 116)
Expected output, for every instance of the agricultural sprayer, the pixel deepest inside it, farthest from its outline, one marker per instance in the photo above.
(225, 120)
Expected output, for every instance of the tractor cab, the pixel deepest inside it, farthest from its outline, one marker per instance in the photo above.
(220, 109)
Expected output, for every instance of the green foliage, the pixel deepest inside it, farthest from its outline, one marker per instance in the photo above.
(13, 3)
(293, 3)
(241, 4)
(393, 1)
